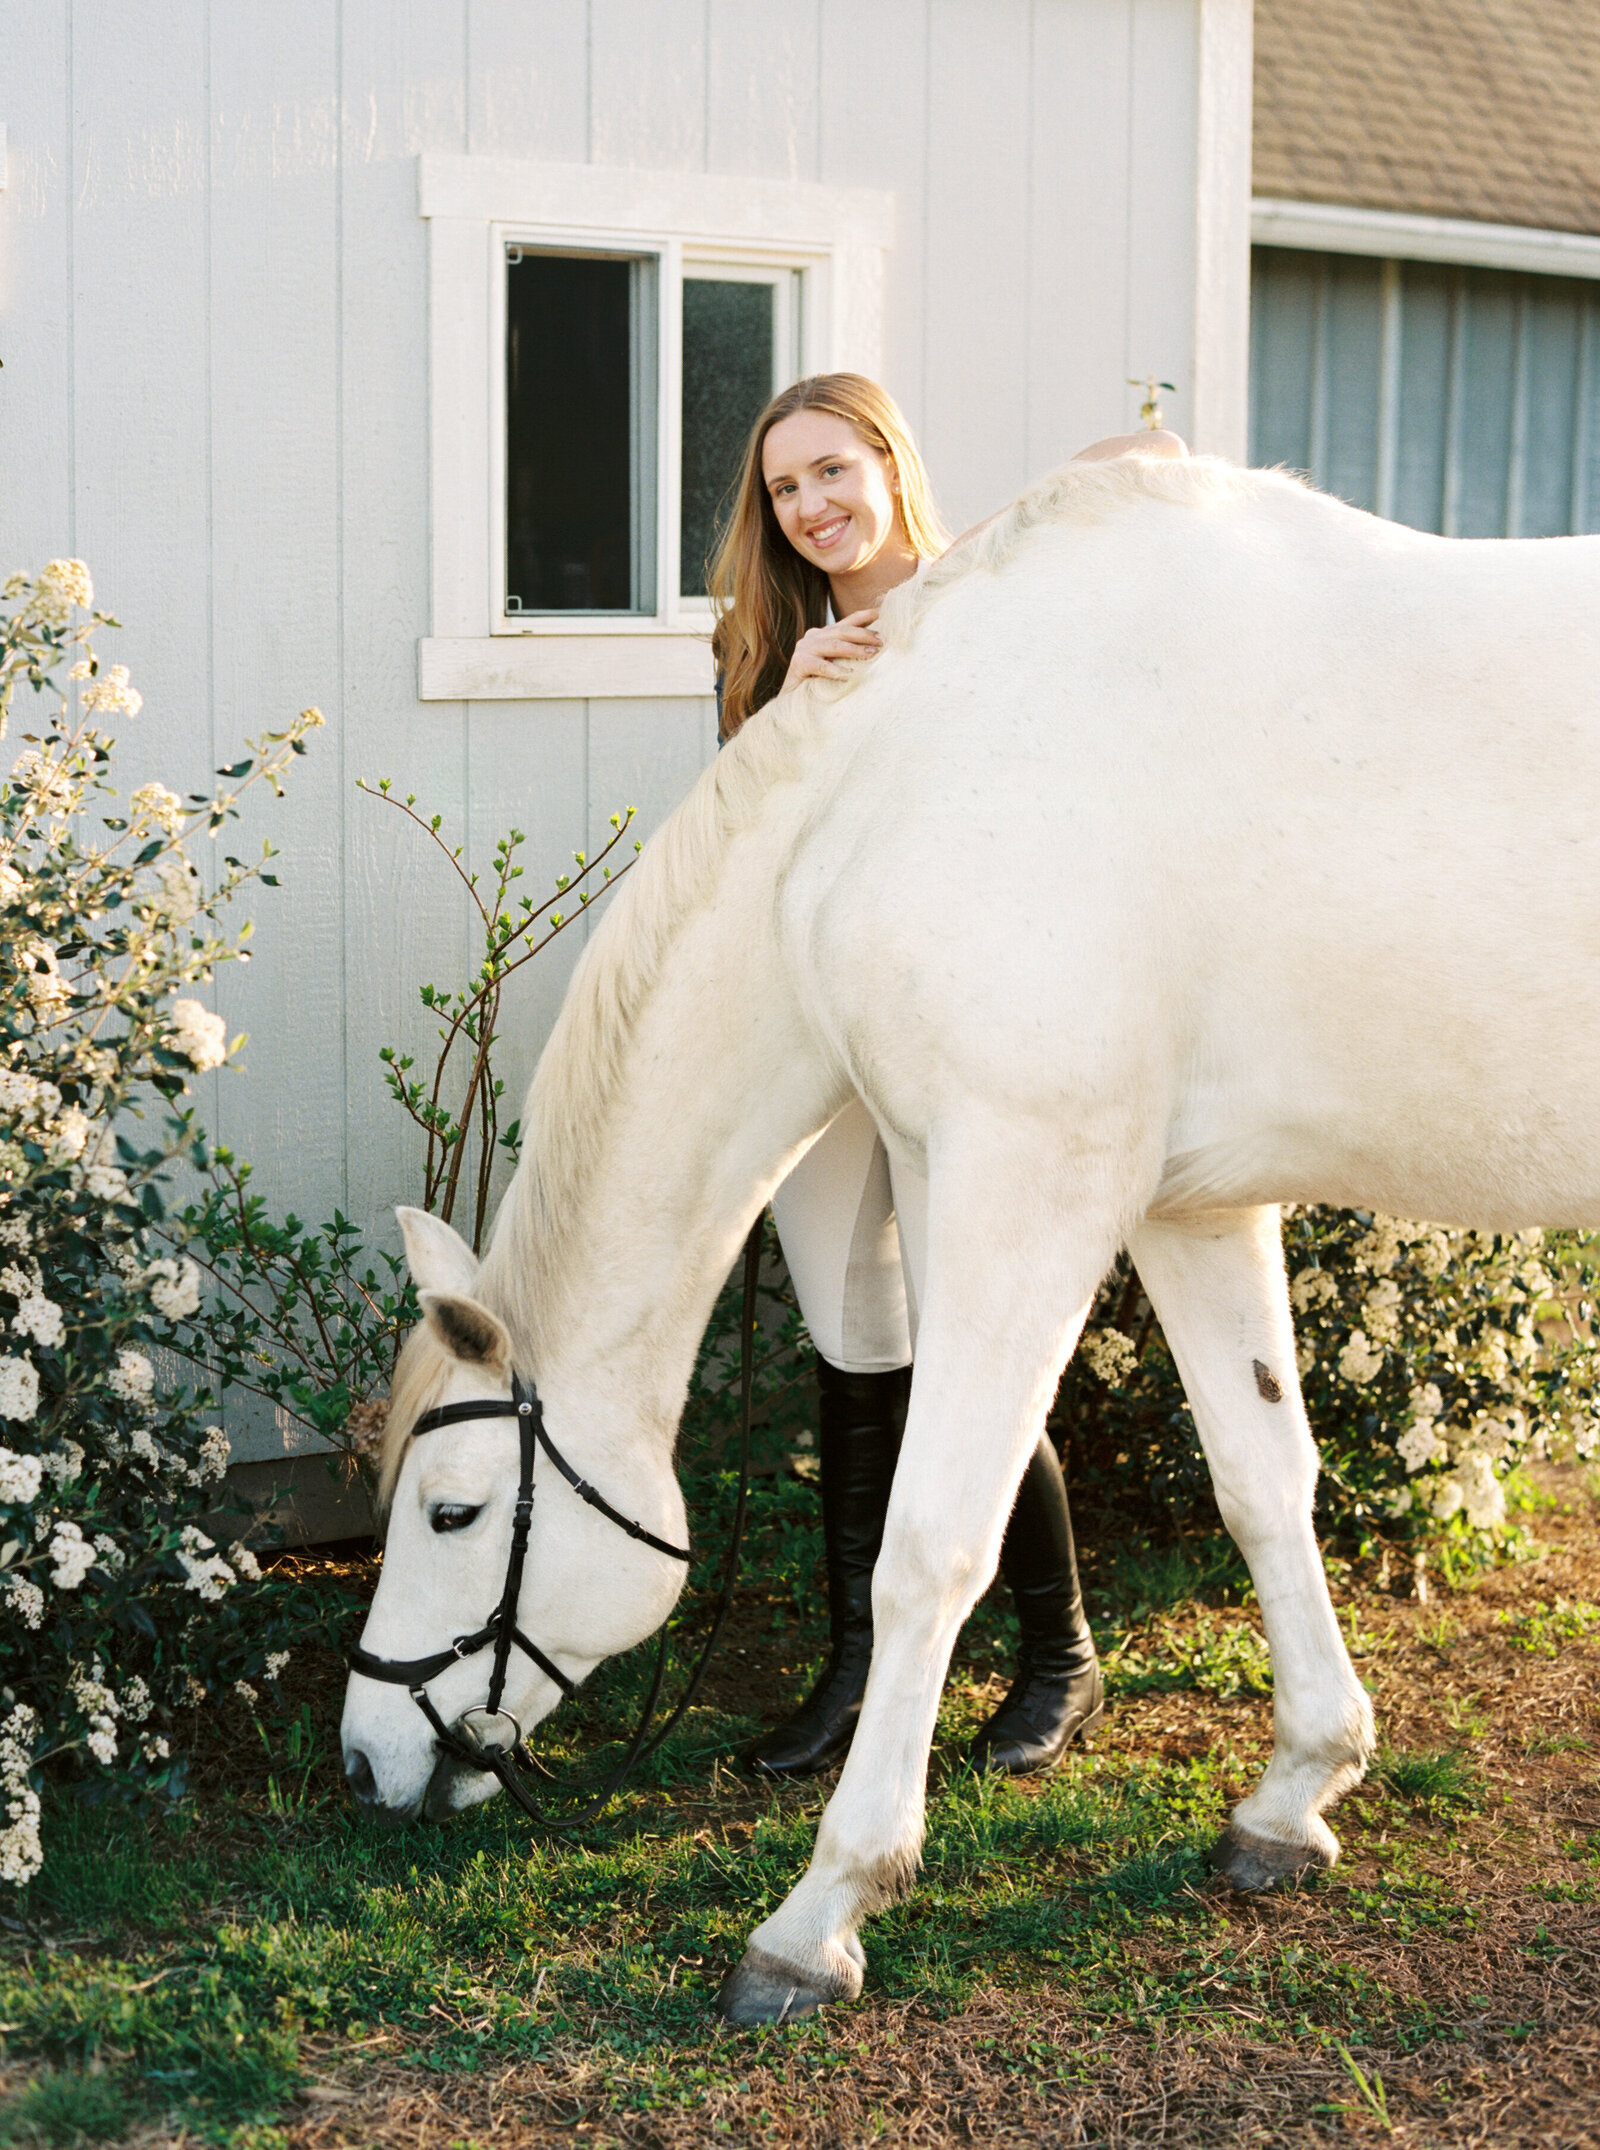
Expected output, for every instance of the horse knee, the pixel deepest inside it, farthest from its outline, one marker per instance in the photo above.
(1262, 1512)
(924, 1573)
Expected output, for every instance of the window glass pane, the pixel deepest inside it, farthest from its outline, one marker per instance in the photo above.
(728, 331)
(578, 472)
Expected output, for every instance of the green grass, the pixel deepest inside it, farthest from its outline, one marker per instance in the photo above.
(1542, 1630)
(205, 1954)
(1444, 1778)
(199, 1964)
(69, 2106)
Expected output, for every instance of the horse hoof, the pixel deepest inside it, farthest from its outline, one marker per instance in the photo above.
(1250, 1863)
(760, 1989)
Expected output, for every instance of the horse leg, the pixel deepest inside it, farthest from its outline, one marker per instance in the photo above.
(1006, 1295)
(1217, 1284)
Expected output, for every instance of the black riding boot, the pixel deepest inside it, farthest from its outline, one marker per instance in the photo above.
(1057, 1693)
(862, 1417)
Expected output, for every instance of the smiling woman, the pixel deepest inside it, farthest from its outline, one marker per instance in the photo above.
(834, 511)
(833, 506)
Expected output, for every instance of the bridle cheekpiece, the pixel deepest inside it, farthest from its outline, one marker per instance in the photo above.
(464, 1741)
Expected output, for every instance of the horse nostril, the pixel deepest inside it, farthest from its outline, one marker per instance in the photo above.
(358, 1774)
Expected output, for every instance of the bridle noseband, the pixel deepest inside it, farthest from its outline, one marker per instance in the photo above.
(463, 1741)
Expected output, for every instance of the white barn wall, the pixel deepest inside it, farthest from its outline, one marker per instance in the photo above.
(213, 317)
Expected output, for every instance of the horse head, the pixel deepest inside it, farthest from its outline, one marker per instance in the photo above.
(507, 1575)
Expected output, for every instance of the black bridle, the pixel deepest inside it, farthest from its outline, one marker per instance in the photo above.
(462, 1741)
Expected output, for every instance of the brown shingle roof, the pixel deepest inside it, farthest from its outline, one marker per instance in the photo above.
(1487, 109)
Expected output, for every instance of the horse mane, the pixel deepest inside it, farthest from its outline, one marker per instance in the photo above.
(582, 1065)
(419, 1377)
(1081, 493)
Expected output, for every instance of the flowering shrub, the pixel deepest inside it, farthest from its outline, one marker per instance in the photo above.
(120, 1611)
(311, 1317)
(1432, 1363)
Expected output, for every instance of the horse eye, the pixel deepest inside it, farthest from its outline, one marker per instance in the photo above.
(451, 1515)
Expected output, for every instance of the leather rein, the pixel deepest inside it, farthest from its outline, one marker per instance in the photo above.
(464, 1741)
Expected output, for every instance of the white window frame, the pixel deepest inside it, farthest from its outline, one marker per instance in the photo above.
(831, 239)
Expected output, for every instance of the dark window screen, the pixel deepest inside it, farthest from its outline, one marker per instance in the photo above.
(572, 492)
(727, 378)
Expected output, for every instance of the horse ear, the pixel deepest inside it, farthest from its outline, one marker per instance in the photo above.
(467, 1330)
(438, 1258)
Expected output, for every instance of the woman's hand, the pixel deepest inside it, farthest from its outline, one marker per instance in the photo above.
(823, 652)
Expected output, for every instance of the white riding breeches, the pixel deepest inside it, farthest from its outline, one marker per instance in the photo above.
(852, 1227)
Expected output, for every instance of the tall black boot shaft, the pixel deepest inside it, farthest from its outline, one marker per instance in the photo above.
(1057, 1694)
(1039, 1556)
(861, 1420)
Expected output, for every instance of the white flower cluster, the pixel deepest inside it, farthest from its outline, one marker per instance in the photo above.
(180, 889)
(199, 1035)
(25, 1599)
(47, 990)
(1381, 1310)
(1312, 1288)
(25, 1098)
(55, 790)
(1470, 1485)
(60, 585)
(214, 1453)
(153, 802)
(41, 1319)
(99, 1705)
(276, 1660)
(72, 1555)
(110, 694)
(174, 1288)
(64, 1465)
(1360, 1361)
(29, 1102)
(1110, 1354)
(21, 1852)
(208, 1576)
(20, 1478)
(107, 1183)
(132, 1379)
(19, 1389)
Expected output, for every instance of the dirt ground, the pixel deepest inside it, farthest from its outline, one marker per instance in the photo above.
(1481, 1916)
(1519, 1987)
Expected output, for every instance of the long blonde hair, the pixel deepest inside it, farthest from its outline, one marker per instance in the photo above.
(766, 595)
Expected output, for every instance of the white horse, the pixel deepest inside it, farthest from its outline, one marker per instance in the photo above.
(1196, 844)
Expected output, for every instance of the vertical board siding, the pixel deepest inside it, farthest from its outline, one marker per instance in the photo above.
(1078, 357)
(648, 90)
(976, 303)
(1163, 144)
(216, 303)
(528, 80)
(273, 249)
(873, 131)
(763, 87)
(1478, 385)
(401, 91)
(36, 447)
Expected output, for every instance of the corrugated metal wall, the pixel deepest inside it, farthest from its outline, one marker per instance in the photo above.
(1460, 400)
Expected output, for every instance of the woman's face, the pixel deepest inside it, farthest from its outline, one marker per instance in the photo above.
(835, 497)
